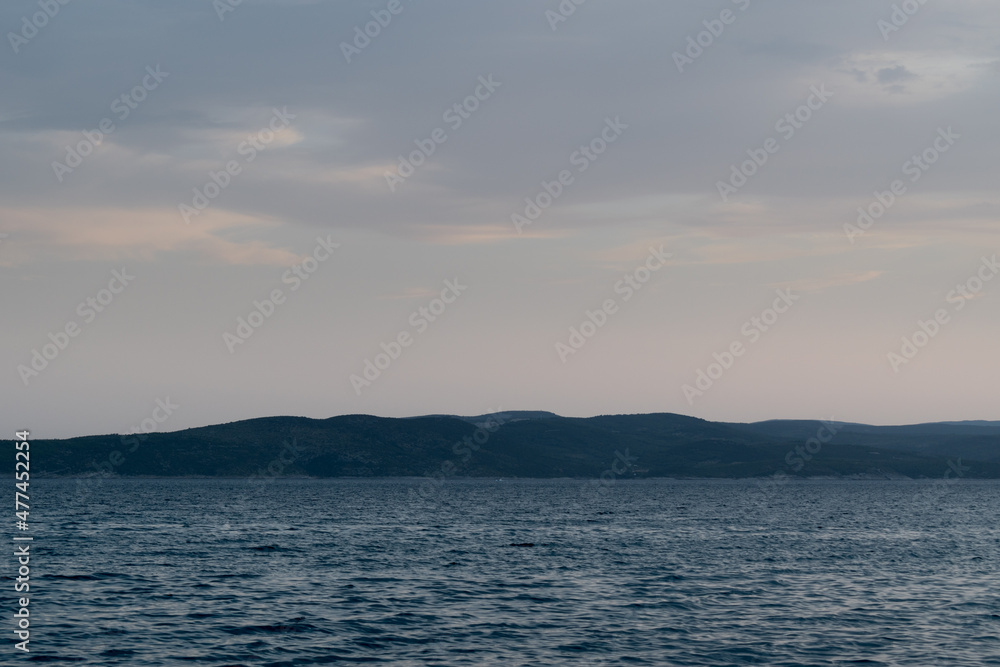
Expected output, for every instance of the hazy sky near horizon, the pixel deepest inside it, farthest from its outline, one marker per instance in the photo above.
(116, 115)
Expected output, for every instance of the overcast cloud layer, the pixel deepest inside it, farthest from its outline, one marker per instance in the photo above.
(723, 178)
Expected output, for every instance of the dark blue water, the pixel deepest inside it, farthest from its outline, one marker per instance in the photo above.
(304, 572)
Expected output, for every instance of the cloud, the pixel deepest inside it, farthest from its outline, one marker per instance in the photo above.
(112, 234)
(894, 74)
(818, 284)
(868, 78)
(484, 233)
(412, 293)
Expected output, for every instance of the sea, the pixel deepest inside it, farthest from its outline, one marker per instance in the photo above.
(283, 572)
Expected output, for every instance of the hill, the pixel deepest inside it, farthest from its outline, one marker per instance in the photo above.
(530, 444)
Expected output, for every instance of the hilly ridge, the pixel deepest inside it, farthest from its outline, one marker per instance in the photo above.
(528, 444)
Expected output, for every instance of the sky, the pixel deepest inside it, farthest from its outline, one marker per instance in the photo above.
(737, 210)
